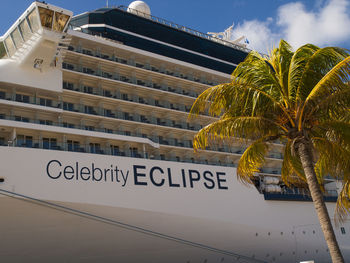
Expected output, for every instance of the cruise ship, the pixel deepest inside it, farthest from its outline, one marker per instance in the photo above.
(97, 163)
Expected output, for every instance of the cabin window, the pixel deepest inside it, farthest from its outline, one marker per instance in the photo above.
(46, 17)
(60, 22)
(33, 21)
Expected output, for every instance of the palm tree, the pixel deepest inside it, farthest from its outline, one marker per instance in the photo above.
(301, 98)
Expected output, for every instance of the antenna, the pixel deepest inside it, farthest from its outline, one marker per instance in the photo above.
(107, 3)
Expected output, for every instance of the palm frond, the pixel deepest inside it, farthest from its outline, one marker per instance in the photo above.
(336, 79)
(317, 67)
(243, 128)
(343, 202)
(292, 170)
(333, 159)
(252, 160)
(280, 59)
(297, 68)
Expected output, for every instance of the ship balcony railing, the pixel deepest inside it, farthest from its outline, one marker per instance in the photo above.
(297, 194)
(149, 68)
(64, 124)
(276, 171)
(275, 155)
(30, 100)
(99, 111)
(186, 144)
(129, 80)
(96, 148)
(136, 99)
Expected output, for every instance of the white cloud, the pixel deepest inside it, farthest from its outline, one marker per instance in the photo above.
(258, 33)
(328, 24)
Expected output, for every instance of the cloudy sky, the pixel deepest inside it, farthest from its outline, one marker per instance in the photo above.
(327, 23)
(262, 22)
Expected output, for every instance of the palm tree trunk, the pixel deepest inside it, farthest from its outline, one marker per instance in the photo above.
(305, 153)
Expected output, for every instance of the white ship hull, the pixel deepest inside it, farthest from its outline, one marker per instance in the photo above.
(47, 217)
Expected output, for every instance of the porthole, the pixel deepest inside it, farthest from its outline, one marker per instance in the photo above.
(305, 252)
(256, 234)
(293, 253)
(313, 231)
(281, 233)
(342, 229)
(269, 233)
(292, 232)
(304, 232)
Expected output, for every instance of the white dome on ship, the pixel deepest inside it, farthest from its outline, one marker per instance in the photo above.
(139, 6)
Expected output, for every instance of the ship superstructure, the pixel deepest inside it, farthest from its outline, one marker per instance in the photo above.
(95, 108)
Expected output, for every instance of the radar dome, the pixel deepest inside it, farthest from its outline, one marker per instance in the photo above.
(139, 8)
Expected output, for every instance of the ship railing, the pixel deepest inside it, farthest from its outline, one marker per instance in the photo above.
(304, 192)
(110, 113)
(185, 144)
(52, 143)
(183, 28)
(163, 71)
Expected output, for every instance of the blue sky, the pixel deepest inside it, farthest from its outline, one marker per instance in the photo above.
(262, 22)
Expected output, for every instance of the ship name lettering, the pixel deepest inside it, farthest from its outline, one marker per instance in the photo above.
(192, 178)
(56, 170)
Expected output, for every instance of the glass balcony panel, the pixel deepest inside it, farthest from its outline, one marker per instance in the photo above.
(10, 46)
(46, 17)
(33, 21)
(60, 22)
(16, 36)
(25, 30)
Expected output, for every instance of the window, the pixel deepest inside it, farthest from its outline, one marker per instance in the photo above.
(46, 122)
(68, 106)
(17, 38)
(45, 102)
(68, 125)
(46, 16)
(68, 85)
(88, 89)
(50, 143)
(95, 148)
(25, 30)
(115, 150)
(60, 22)
(2, 50)
(22, 98)
(74, 146)
(342, 229)
(11, 49)
(33, 20)
(20, 118)
(24, 141)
